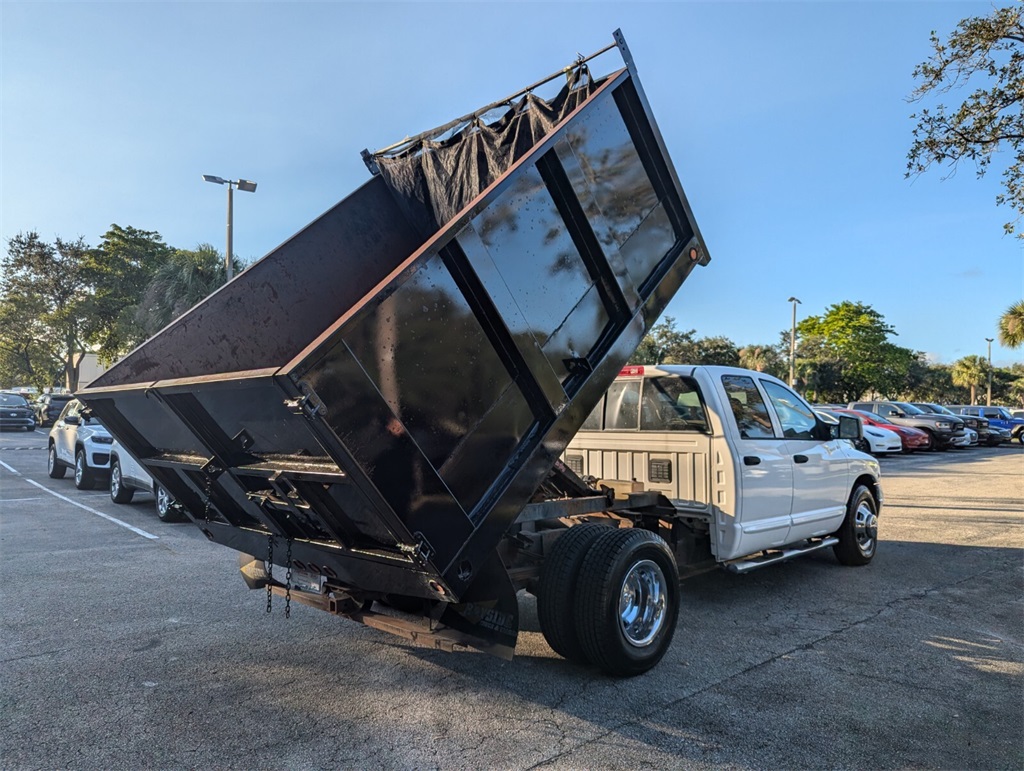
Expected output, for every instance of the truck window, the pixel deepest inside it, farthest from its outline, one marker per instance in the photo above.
(623, 411)
(748, 408)
(671, 404)
(593, 421)
(798, 422)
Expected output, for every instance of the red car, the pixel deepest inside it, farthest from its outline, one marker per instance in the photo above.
(912, 438)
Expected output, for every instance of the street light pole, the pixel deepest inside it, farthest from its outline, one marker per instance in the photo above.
(242, 184)
(988, 400)
(792, 345)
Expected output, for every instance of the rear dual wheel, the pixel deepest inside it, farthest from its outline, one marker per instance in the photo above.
(610, 597)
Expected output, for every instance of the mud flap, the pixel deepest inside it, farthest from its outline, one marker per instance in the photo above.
(489, 612)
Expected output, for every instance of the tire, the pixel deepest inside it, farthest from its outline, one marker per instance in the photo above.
(628, 601)
(119, 491)
(557, 594)
(54, 468)
(84, 477)
(930, 446)
(858, 535)
(166, 509)
(1020, 437)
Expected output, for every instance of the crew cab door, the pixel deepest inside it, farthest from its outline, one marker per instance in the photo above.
(764, 469)
(820, 465)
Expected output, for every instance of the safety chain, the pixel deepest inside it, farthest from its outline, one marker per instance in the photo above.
(270, 571)
(209, 495)
(288, 583)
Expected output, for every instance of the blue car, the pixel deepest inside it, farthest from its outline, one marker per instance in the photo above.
(997, 416)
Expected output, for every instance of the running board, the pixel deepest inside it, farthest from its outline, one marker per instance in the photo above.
(747, 564)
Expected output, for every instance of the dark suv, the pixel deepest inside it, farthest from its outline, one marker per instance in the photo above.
(48, 407)
(979, 424)
(945, 431)
(997, 416)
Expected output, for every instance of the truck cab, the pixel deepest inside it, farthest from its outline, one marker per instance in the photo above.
(735, 447)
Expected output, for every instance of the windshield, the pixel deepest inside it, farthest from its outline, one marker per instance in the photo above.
(13, 400)
(939, 409)
(873, 417)
(908, 409)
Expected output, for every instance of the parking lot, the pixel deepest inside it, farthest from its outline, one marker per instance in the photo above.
(130, 643)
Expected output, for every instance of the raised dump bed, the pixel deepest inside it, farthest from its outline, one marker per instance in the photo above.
(375, 401)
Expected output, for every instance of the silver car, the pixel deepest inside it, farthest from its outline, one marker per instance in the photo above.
(127, 476)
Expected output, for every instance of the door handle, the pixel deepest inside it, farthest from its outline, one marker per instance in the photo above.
(751, 460)
(800, 458)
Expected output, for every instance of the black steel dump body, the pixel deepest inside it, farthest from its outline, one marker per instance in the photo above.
(376, 403)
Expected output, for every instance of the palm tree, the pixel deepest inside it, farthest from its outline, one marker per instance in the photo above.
(970, 372)
(187, 277)
(1011, 326)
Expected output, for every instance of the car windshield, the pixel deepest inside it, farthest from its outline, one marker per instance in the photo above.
(908, 409)
(939, 409)
(873, 417)
(13, 400)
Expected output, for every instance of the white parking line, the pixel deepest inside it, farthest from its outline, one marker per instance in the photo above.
(116, 521)
(12, 470)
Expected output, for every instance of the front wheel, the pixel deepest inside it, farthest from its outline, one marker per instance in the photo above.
(858, 535)
(119, 491)
(84, 478)
(627, 602)
(54, 468)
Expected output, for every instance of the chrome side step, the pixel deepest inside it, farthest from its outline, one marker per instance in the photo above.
(747, 564)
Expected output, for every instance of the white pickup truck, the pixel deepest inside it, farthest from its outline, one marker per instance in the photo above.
(760, 474)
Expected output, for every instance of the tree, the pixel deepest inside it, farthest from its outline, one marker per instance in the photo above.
(715, 350)
(990, 48)
(970, 372)
(846, 352)
(664, 344)
(1011, 326)
(50, 280)
(27, 354)
(184, 279)
(120, 269)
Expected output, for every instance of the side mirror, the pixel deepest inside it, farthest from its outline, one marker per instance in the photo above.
(850, 427)
(72, 420)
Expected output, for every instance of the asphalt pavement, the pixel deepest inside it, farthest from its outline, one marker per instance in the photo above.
(128, 643)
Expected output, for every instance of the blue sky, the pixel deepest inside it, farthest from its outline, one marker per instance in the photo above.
(787, 122)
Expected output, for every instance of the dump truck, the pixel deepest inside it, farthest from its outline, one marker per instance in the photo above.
(373, 414)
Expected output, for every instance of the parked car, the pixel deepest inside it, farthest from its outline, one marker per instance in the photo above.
(912, 438)
(127, 476)
(78, 441)
(997, 416)
(49, 406)
(974, 422)
(877, 441)
(944, 431)
(16, 412)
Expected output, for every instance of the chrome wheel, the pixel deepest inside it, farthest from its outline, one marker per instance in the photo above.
(865, 528)
(79, 469)
(642, 603)
(51, 460)
(115, 480)
(163, 501)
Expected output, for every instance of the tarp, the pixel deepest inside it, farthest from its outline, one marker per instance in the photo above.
(434, 176)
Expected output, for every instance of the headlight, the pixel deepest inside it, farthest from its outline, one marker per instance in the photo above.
(943, 424)
(103, 439)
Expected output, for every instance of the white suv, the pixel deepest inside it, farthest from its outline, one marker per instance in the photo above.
(128, 475)
(79, 442)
